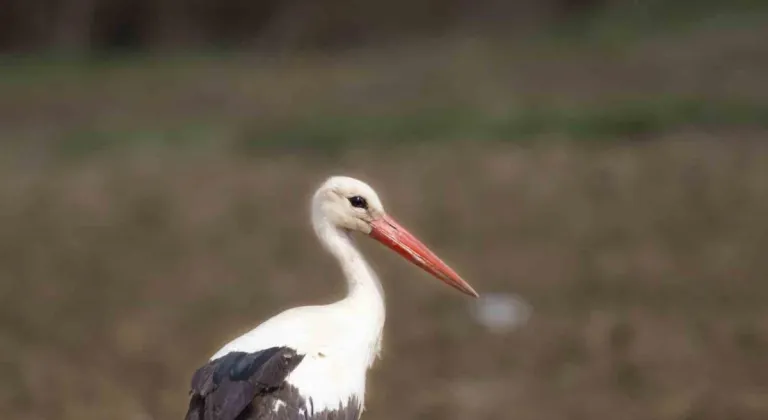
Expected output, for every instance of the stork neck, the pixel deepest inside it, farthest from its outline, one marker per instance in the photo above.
(362, 283)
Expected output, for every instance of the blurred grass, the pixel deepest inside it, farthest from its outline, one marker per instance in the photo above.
(455, 89)
(335, 133)
(624, 121)
(632, 20)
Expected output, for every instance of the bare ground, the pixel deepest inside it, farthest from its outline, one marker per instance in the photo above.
(644, 265)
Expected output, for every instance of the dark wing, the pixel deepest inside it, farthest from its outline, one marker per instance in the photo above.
(224, 387)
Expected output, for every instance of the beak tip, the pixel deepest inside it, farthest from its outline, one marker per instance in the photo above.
(465, 288)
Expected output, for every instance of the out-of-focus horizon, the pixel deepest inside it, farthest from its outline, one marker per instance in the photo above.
(598, 170)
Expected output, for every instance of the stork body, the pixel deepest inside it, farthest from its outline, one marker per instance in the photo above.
(311, 362)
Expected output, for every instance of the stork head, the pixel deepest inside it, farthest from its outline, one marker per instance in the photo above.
(354, 206)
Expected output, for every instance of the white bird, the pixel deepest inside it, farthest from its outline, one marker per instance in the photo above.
(311, 362)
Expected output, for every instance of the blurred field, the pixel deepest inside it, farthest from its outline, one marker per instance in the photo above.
(155, 208)
(644, 264)
(710, 75)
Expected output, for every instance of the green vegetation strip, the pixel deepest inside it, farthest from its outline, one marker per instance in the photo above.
(331, 133)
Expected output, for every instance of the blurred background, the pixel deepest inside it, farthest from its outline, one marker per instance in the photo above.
(597, 169)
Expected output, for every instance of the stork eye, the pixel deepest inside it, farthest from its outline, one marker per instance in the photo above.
(358, 202)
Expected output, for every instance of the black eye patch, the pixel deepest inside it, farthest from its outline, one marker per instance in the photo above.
(358, 202)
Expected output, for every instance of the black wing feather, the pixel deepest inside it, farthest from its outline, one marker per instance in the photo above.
(225, 387)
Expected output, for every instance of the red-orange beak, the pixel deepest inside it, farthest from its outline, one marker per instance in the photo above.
(390, 233)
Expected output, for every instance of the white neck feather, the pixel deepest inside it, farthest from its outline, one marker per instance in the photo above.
(363, 287)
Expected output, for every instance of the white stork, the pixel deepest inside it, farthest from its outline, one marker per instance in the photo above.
(311, 362)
